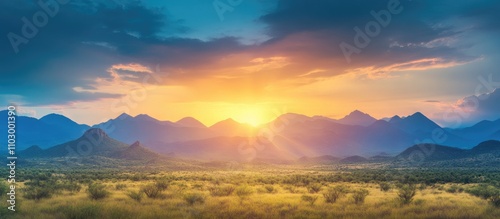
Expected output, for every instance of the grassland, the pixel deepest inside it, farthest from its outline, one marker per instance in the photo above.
(237, 193)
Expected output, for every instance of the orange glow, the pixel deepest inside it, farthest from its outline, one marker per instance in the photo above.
(252, 115)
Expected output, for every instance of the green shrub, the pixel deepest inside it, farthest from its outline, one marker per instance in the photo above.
(454, 189)
(314, 188)
(309, 198)
(152, 191)
(135, 195)
(193, 198)
(487, 192)
(217, 190)
(244, 191)
(291, 189)
(406, 194)
(37, 193)
(495, 200)
(384, 186)
(422, 187)
(162, 185)
(360, 195)
(97, 191)
(483, 191)
(334, 193)
(71, 187)
(198, 186)
(270, 189)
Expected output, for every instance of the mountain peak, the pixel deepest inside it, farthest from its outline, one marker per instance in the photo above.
(292, 117)
(124, 116)
(395, 118)
(229, 122)
(33, 148)
(415, 122)
(357, 112)
(357, 117)
(145, 117)
(190, 122)
(418, 115)
(53, 119)
(53, 115)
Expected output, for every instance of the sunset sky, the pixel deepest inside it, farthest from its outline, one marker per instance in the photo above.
(252, 60)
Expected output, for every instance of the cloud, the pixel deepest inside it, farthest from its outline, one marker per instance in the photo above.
(432, 101)
(414, 65)
(90, 46)
(414, 35)
(86, 39)
(469, 110)
(484, 106)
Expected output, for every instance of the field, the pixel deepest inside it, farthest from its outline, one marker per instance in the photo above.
(255, 192)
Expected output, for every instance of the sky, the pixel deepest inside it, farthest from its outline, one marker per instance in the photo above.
(251, 60)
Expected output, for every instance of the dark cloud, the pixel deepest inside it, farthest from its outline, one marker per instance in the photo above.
(419, 31)
(82, 41)
(484, 14)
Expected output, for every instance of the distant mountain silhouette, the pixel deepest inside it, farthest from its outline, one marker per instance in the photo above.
(231, 128)
(63, 122)
(32, 151)
(190, 122)
(293, 135)
(436, 152)
(150, 131)
(225, 149)
(94, 142)
(423, 128)
(433, 152)
(381, 157)
(47, 131)
(354, 159)
(487, 147)
(357, 118)
(136, 152)
(480, 130)
(292, 118)
(416, 123)
(376, 134)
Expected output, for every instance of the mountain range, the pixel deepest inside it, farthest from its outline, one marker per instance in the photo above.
(97, 144)
(94, 142)
(485, 154)
(289, 136)
(47, 131)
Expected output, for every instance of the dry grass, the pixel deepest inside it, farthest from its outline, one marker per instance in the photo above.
(280, 203)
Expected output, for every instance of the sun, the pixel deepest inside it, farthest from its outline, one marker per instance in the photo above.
(251, 115)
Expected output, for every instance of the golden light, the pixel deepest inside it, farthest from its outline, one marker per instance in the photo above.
(252, 115)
